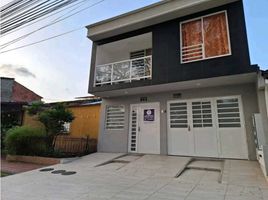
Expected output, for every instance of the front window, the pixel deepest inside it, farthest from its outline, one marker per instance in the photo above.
(115, 117)
(205, 37)
(66, 127)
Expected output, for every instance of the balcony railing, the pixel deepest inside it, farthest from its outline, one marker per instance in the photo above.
(124, 71)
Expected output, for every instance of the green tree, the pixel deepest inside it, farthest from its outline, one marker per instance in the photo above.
(53, 117)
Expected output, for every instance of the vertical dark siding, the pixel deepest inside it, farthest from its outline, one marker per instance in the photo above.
(167, 66)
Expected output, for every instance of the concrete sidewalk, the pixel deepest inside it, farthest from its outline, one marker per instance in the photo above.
(144, 177)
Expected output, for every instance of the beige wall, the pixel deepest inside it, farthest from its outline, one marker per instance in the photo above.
(117, 141)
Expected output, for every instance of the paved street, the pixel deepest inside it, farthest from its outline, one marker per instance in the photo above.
(149, 177)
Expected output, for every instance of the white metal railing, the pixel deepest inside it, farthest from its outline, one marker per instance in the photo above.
(124, 71)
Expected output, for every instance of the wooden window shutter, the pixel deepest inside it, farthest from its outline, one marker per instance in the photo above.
(192, 40)
(192, 33)
(216, 35)
(205, 37)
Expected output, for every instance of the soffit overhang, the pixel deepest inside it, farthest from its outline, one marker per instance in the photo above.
(150, 15)
(175, 87)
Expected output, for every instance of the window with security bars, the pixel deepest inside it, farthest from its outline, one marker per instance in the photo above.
(178, 115)
(228, 113)
(205, 37)
(202, 114)
(115, 117)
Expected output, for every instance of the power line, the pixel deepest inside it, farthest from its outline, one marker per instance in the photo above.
(12, 6)
(32, 12)
(4, 7)
(10, 12)
(37, 42)
(28, 13)
(53, 22)
(45, 17)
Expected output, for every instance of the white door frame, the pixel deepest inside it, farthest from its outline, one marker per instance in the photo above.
(138, 105)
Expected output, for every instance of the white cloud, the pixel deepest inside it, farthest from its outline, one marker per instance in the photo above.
(11, 70)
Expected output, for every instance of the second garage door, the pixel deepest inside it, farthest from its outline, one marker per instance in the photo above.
(208, 127)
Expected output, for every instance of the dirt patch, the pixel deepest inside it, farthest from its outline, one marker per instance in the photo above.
(33, 159)
(12, 167)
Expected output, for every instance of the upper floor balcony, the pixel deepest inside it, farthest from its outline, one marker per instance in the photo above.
(124, 71)
(124, 61)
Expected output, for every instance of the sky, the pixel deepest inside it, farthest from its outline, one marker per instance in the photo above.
(58, 69)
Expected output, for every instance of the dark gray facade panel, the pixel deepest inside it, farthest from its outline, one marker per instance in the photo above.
(92, 67)
(167, 66)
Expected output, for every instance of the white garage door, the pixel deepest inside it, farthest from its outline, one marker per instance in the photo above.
(211, 127)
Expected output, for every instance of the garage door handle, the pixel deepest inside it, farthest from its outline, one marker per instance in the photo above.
(139, 128)
(189, 128)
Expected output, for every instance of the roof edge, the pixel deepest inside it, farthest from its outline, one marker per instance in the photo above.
(128, 13)
(156, 13)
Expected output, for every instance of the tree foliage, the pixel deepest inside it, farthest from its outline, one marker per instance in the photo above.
(53, 117)
(35, 108)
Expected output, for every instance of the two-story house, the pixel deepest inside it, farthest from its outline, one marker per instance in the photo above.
(175, 78)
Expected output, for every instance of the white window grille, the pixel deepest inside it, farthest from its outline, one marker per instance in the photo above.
(115, 117)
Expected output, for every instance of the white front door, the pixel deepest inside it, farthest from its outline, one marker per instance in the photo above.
(212, 127)
(144, 131)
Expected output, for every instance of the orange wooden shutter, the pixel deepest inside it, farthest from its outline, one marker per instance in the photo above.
(192, 40)
(216, 35)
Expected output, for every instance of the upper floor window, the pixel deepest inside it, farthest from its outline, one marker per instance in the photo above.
(205, 37)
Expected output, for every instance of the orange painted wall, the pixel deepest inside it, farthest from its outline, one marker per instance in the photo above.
(31, 121)
(86, 122)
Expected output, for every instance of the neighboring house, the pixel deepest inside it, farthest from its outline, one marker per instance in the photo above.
(175, 78)
(86, 121)
(13, 97)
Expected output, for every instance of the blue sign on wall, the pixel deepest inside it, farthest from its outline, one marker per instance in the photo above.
(148, 115)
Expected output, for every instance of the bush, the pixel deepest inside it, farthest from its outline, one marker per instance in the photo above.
(26, 140)
(8, 121)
